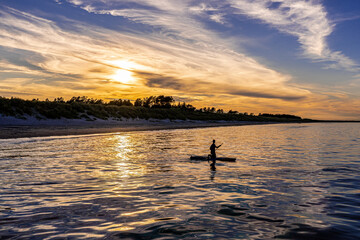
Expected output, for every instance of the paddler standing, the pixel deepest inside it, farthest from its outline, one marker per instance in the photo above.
(213, 148)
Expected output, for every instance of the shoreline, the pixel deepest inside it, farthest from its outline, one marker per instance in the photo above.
(10, 131)
(11, 127)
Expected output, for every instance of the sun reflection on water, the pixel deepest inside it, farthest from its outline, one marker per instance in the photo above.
(127, 163)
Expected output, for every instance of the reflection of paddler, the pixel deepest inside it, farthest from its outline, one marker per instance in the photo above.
(213, 148)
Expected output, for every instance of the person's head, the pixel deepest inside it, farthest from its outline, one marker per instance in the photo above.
(214, 141)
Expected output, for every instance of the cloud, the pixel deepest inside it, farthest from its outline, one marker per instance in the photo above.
(210, 12)
(219, 18)
(202, 87)
(172, 17)
(90, 55)
(306, 20)
(176, 54)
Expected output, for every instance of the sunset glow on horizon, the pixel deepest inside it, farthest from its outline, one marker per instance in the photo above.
(297, 57)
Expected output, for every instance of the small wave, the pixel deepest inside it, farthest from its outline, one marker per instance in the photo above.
(339, 169)
(263, 218)
(304, 231)
(39, 183)
(230, 212)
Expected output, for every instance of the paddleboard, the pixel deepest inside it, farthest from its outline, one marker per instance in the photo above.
(203, 158)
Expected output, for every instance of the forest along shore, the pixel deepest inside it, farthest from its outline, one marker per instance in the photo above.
(83, 115)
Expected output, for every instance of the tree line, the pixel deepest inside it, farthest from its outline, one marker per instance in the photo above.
(148, 107)
(160, 101)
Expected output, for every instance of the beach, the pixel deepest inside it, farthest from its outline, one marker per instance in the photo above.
(11, 127)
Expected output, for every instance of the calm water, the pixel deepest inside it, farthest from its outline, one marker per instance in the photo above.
(291, 181)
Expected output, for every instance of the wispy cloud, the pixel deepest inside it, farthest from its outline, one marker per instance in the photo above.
(201, 87)
(172, 17)
(177, 53)
(76, 55)
(213, 13)
(306, 20)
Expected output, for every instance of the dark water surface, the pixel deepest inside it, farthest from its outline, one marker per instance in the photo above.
(291, 181)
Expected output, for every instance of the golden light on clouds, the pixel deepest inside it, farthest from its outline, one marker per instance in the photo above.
(173, 52)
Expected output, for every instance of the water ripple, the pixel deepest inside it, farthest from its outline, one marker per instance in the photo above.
(290, 182)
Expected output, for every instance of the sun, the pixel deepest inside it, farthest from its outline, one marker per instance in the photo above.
(124, 73)
(123, 76)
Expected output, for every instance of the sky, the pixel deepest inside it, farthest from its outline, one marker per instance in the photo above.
(298, 57)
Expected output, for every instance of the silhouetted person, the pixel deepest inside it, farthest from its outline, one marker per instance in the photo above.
(213, 148)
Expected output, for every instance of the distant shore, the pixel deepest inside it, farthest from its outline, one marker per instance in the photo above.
(17, 128)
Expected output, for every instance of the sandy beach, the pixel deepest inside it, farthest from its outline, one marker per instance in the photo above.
(11, 127)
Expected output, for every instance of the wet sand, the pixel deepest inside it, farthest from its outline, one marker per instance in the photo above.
(43, 130)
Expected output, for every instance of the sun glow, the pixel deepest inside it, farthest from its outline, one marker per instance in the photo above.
(123, 76)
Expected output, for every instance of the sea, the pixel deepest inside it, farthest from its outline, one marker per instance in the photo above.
(290, 181)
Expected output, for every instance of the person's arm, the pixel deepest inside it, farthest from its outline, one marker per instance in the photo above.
(219, 146)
